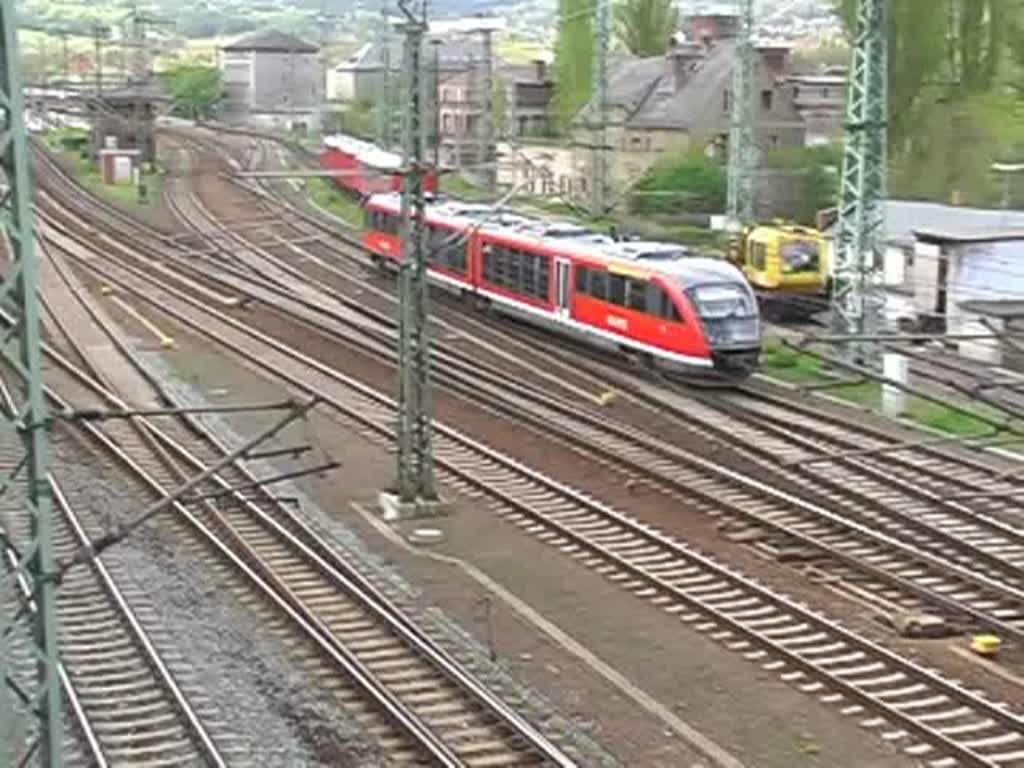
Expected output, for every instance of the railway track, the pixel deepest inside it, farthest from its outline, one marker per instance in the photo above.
(935, 717)
(874, 507)
(869, 541)
(130, 694)
(939, 718)
(442, 713)
(999, 388)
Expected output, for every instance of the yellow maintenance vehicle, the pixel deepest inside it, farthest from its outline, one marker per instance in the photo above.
(788, 267)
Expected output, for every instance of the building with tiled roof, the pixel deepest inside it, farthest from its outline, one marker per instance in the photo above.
(680, 101)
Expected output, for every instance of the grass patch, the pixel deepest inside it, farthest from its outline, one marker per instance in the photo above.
(456, 186)
(944, 419)
(67, 139)
(785, 364)
(330, 198)
(789, 365)
(127, 195)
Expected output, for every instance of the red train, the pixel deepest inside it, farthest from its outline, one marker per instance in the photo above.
(689, 314)
(366, 168)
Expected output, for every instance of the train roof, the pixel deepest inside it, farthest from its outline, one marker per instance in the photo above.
(633, 256)
(364, 151)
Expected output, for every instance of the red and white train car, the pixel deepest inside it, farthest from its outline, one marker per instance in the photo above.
(649, 299)
(366, 168)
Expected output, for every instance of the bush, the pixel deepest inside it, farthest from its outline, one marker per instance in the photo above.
(689, 183)
(820, 167)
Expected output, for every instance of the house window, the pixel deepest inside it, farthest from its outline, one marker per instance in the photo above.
(824, 93)
(447, 122)
(766, 100)
(725, 100)
(773, 141)
(796, 91)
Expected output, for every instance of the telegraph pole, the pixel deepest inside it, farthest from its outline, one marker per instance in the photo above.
(384, 118)
(436, 44)
(487, 153)
(858, 298)
(100, 33)
(325, 22)
(139, 21)
(139, 37)
(599, 89)
(415, 481)
(742, 148)
(27, 481)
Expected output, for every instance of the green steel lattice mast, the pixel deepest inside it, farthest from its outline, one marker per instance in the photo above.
(415, 482)
(599, 89)
(742, 147)
(22, 355)
(858, 298)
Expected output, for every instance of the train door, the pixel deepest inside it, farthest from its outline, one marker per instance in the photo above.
(562, 287)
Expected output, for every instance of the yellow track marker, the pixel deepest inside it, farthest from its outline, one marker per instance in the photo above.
(166, 342)
(985, 645)
(106, 290)
(608, 398)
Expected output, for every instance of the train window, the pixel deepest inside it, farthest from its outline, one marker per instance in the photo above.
(447, 248)
(543, 277)
(498, 272)
(617, 290)
(514, 269)
(435, 240)
(383, 222)
(660, 303)
(598, 284)
(456, 254)
(582, 280)
(637, 295)
(529, 267)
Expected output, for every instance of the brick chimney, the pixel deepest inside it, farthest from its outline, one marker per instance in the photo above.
(683, 59)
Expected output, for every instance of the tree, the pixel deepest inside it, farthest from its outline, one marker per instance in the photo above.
(952, 109)
(645, 27)
(691, 182)
(195, 89)
(817, 178)
(574, 50)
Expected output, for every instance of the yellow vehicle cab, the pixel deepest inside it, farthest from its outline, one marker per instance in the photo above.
(787, 265)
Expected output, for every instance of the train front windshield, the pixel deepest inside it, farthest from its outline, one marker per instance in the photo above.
(800, 256)
(728, 312)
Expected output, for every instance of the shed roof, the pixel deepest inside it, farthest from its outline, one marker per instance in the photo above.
(272, 41)
(904, 217)
(972, 235)
(1008, 309)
